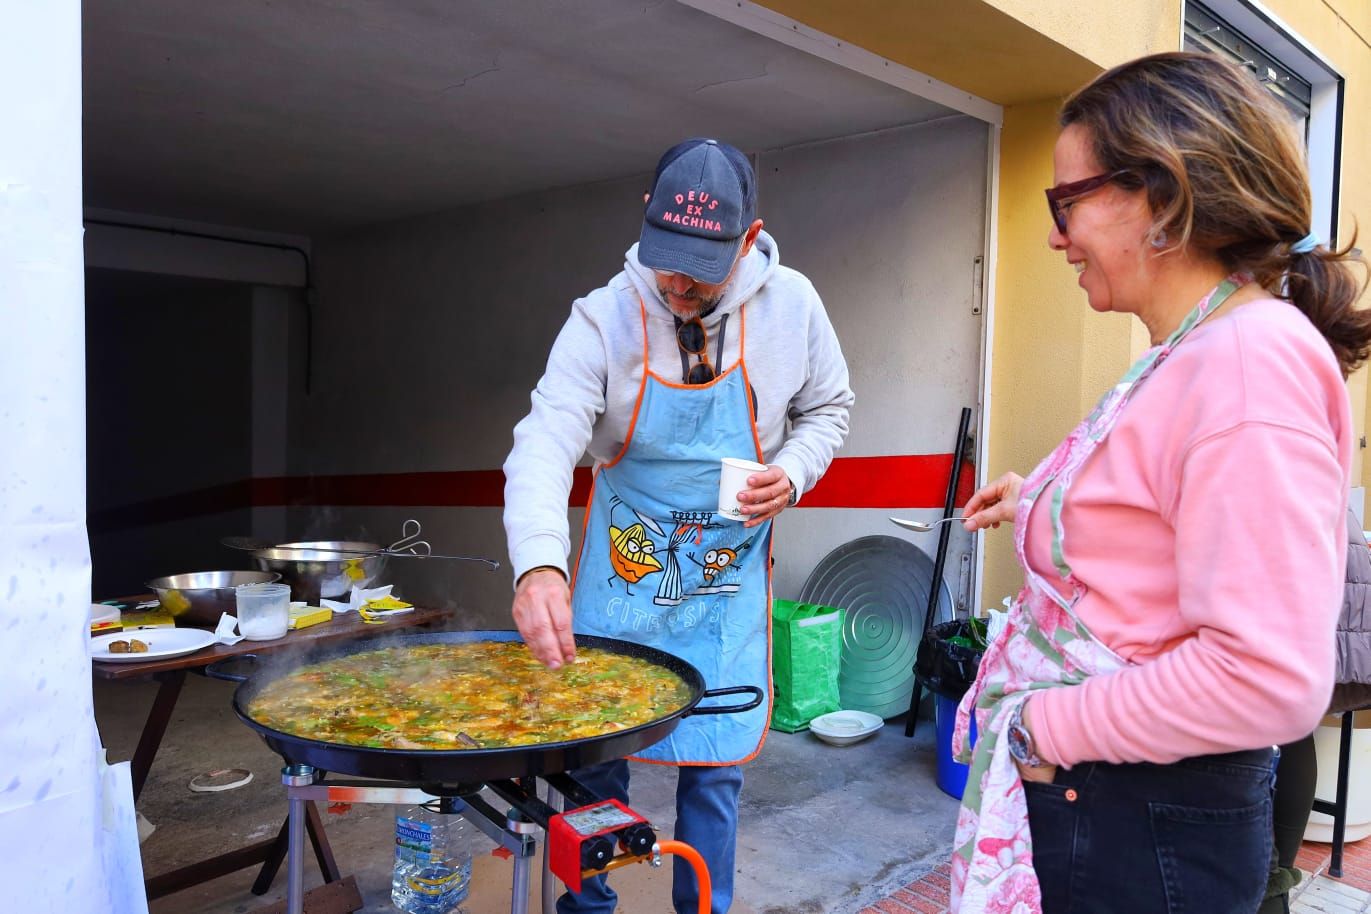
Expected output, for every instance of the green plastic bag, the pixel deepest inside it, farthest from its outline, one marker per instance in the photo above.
(806, 643)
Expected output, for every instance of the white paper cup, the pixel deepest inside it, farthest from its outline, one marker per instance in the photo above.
(733, 473)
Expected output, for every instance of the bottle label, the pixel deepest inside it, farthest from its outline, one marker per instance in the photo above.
(416, 836)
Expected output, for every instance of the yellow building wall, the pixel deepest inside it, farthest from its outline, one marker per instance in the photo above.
(1340, 30)
(1044, 331)
(1052, 356)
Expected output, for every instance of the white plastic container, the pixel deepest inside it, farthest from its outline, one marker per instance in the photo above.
(1326, 739)
(263, 611)
(104, 618)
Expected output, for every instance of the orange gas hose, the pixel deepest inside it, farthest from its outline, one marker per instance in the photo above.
(697, 863)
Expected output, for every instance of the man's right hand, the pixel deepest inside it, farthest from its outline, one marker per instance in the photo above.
(542, 613)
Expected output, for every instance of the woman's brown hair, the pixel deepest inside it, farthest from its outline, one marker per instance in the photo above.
(1224, 171)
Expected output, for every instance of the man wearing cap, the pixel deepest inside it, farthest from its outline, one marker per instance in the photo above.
(703, 347)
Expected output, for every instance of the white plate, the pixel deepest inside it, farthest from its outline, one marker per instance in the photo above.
(162, 643)
(843, 728)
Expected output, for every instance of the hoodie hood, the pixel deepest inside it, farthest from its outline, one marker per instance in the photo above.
(752, 273)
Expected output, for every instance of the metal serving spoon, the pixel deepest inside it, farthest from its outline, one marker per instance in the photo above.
(919, 526)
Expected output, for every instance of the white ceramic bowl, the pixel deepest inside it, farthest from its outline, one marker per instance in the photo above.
(843, 728)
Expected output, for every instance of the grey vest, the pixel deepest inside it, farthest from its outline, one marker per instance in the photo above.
(1353, 689)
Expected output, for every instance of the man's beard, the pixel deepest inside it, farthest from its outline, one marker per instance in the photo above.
(699, 305)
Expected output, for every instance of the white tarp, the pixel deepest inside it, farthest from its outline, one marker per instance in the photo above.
(66, 842)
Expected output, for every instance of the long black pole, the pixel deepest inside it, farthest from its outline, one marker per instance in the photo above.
(940, 560)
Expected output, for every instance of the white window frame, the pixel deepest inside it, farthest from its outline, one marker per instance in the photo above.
(1265, 29)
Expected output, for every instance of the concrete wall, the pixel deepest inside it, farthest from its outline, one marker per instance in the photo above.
(429, 336)
(169, 411)
(432, 332)
(888, 227)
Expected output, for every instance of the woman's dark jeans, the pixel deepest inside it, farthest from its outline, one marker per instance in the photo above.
(1193, 837)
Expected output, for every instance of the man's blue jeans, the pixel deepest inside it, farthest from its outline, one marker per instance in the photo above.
(706, 819)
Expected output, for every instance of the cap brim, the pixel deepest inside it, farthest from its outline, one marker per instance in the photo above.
(702, 259)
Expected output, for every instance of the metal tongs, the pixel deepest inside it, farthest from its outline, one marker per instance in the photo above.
(408, 546)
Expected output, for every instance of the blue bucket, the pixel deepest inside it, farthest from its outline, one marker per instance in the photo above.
(951, 774)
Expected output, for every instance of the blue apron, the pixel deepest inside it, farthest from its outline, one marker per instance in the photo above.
(659, 566)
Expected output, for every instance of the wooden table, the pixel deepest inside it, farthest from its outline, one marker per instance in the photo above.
(170, 673)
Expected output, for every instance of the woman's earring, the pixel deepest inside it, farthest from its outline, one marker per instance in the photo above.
(1160, 241)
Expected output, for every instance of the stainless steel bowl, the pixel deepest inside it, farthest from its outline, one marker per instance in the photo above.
(201, 597)
(328, 569)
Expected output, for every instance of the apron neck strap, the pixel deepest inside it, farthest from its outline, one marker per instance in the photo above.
(1095, 428)
(719, 336)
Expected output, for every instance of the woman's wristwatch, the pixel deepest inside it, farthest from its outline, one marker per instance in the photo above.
(1020, 740)
(794, 493)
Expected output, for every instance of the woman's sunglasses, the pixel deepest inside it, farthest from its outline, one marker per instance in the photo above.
(691, 337)
(1062, 194)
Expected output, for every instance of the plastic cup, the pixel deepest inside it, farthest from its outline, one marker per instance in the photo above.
(263, 611)
(733, 473)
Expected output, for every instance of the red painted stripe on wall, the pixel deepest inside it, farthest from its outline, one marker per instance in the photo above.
(448, 489)
(905, 481)
(902, 482)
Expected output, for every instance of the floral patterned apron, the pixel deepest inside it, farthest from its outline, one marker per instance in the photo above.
(1045, 645)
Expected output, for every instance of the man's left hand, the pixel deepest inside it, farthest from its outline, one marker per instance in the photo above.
(767, 495)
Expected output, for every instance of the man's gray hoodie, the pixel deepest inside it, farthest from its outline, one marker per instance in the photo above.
(585, 400)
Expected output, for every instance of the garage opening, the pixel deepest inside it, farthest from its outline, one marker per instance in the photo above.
(423, 192)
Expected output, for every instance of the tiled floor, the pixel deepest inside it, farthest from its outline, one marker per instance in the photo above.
(1318, 893)
(1350, 894)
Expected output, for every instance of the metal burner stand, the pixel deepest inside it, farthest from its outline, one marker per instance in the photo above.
(513, 831)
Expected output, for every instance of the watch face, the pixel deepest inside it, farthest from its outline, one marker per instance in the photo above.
(1018, 743)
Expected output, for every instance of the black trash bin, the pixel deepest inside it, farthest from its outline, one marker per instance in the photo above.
(946, 664)
(949, 657)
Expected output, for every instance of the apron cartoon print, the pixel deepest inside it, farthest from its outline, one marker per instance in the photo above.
(659, 566)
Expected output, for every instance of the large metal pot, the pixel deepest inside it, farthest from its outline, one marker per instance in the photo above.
(201, 597)
(324, 569)
(441, 766)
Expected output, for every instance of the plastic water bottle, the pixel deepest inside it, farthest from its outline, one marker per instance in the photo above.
(432, 872)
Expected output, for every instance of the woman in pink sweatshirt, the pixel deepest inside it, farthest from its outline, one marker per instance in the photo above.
(1183, 548)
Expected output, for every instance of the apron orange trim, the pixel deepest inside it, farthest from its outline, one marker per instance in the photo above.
(628, 439)
(741, 364)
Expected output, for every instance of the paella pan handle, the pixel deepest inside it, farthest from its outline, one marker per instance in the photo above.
(756, 693)
(216, 669)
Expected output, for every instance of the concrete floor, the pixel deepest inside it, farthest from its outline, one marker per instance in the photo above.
(823, 829)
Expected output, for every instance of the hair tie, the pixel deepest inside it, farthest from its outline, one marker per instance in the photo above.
(1305, 245)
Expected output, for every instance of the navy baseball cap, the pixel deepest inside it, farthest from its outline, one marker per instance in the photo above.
(704, 197)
